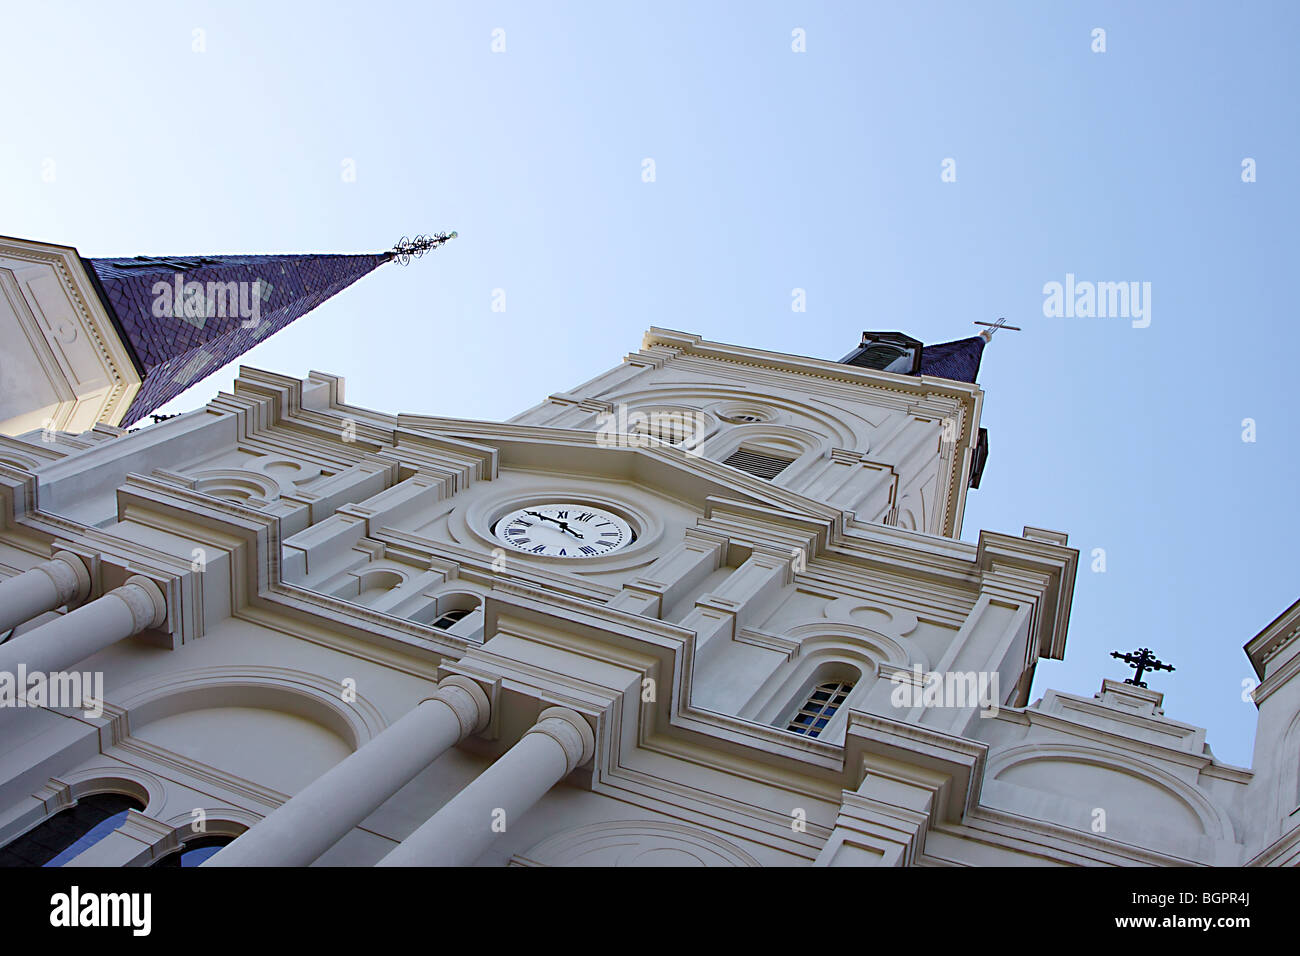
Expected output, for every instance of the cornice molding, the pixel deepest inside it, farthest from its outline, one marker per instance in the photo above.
(1056, 566)
(1279, 635)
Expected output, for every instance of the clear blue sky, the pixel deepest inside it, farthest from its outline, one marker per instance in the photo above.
(774, 170)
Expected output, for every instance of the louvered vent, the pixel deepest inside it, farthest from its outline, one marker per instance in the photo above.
(672, 429)
(757, 464)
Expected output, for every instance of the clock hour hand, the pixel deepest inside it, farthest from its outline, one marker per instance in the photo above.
(564, 525)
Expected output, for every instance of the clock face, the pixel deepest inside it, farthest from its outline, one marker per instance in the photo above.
(564, 531)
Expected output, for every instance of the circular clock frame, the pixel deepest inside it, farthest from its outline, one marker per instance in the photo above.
(564, 530)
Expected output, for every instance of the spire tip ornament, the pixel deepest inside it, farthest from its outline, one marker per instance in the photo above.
(987, 333)
(1141, 660)
(408, 249)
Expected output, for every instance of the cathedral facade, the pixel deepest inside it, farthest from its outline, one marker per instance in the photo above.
(710, 608)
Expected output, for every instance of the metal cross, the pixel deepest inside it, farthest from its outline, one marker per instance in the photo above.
(994, 326)
(408, 249)
(1142, 660)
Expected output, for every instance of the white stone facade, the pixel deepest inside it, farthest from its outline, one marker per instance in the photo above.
(307, 626)
(63, 366)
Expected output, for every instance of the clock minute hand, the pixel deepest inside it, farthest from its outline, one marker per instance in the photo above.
(564, 525)
(538, 514)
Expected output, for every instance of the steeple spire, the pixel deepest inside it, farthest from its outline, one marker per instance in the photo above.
(182, 318)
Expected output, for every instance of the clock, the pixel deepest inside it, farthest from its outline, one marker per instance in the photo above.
(564, 531)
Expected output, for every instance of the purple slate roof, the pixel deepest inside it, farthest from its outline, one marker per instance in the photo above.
(173, 352)
(959, 360)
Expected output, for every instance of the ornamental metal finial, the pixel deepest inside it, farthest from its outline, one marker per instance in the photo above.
(408, 249)
(1141, 660)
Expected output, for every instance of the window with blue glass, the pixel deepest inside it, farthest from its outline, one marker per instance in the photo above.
(826, 698)
(193, 852)
(70, 832)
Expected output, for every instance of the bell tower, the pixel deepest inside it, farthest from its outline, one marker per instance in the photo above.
(890, 432)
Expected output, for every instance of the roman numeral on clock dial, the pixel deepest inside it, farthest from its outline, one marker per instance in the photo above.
(564, 530)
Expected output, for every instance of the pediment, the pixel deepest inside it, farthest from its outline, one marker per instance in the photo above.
(689, 477)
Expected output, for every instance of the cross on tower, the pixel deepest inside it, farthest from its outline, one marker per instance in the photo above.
(1001, 323)
(1142, 660)
(408, 249)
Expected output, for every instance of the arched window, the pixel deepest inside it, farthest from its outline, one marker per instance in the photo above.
(451, 617)
(193, 852)
(70, 832)
(743, 414)
(826, 698)
(446, 609)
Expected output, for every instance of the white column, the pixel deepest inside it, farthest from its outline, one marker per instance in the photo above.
(327, 809)
(462, 830)
(58, 645)
(64, 580)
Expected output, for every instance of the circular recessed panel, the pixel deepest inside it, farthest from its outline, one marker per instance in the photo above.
(563, 531)
(744, 414)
